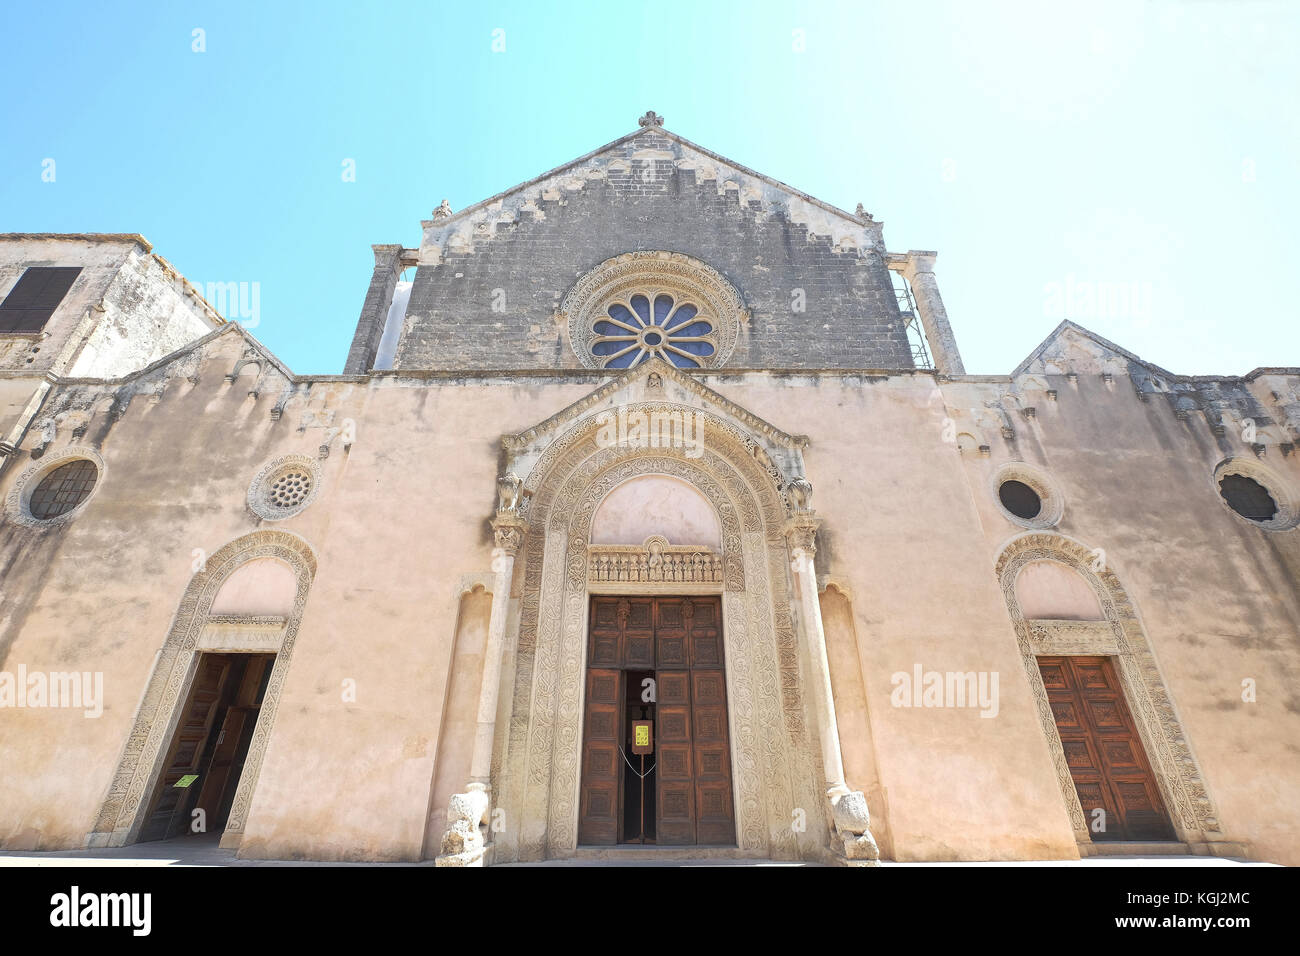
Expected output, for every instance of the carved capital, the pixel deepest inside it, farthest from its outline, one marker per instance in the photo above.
(801, 533)
(509, 533)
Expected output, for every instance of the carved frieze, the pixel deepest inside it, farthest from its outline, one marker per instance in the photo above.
(654, 561)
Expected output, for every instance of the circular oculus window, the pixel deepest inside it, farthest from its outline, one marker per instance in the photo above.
(1256, 494)
(56, 489)
(1027, 496)
(284, 487)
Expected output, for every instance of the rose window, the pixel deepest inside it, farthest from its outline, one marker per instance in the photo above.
(630, 331)
(290, 489)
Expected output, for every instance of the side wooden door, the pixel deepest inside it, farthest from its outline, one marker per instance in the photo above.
(1107, 761)
(171, 803)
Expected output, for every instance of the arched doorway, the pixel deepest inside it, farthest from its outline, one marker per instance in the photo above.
(229, 647)
(774, 752)
(1080, 637)
(656, 755)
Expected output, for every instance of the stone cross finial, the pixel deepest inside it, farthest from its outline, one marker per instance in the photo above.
(651, 118)
(443, 211)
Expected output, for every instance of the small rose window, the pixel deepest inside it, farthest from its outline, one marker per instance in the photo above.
(630, 331)
(290, 489)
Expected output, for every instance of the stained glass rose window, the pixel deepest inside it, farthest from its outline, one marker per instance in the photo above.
(629, 331)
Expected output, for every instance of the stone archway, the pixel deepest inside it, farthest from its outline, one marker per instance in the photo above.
(1121, 637)
(537, 764)
(194, 628)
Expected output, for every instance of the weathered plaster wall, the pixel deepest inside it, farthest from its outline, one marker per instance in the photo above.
(912, 533)
(147, 313)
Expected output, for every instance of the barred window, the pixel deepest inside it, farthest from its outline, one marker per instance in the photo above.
(63, 489)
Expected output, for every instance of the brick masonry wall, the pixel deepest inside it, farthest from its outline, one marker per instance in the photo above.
(534, 254)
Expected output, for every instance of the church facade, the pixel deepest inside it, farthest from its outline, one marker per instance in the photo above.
(653, 516)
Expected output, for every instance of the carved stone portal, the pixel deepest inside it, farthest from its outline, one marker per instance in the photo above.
(776, 751)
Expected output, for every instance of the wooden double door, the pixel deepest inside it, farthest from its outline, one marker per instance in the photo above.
(657, 659)
(1119, 794)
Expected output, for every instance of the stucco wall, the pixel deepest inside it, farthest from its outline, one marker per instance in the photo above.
(912, 533)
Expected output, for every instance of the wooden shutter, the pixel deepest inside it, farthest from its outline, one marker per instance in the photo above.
(32, 301)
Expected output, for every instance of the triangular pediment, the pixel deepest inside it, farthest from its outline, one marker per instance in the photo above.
(451, 231)
(652, 382)
(1072, 348)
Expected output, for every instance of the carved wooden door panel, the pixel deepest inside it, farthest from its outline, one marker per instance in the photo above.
(716, 826)
(694, 778)
(675, 823)
(601, 762)
(1107, 762)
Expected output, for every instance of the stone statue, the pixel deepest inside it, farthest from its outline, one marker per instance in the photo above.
(800, 490)
(508, 487)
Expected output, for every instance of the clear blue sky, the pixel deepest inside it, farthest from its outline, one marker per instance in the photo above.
(1135, 167)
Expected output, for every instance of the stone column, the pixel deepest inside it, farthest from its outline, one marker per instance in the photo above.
(854, 844)
(917, 267)
(509, 532)
(465, 839)
(374, 311)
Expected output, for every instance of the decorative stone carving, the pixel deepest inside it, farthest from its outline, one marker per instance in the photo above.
(259, 634)
(800, 491)
(1049, 494)
(284, 486)
(536, 766)
(651, 118)
(1054, 638)
(508, 488)
(683, 277)
(508, 533)
(801, 533)
(443, 211)
(655, 561)
(1284, 497)
(853, 829)
(464, 841)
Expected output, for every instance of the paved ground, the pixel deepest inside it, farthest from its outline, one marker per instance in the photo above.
(203, 851)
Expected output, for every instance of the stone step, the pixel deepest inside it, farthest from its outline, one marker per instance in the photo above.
(1124, 848)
